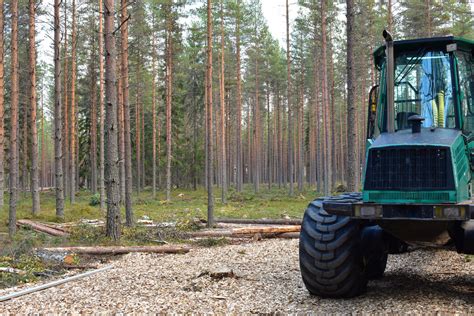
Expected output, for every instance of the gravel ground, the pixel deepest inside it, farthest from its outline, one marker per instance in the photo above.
(267, 281)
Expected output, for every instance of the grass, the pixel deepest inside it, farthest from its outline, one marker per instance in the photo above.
(185, 206)
(273, 203)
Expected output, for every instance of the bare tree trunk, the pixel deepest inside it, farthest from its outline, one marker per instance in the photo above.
(288, 96)
(72, 115)
(169, 78)
(223, 125)
(351, 110)
(24, 151)
(112, 168)
(34, 132)
(65, 156)
(256, 140)
(93, 91)
(153, 105)
(326, 104)
(239, 164)
(43, 145)
(120, 125)
(2, 110)
(137, 128)
(58, 141)
(210, 197)
(15, 93)
(126, 116)
(101, 110)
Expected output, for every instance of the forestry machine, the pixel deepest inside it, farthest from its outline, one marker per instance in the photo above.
(417, 183)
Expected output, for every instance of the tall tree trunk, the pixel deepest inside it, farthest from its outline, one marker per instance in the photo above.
(126, 115)
(256, 132)
(58, 121)
(111, 168)
(153, 105)
(2, 110)
(222, 102)
(351, 110)
(24, 151)
(120, 123)
(137, 127)
(15, 93)
(238, 160)
(93, 91)
(326, 104)
(72, 115)
(288, 96)
(210, 197)
(43, 144)
(101, 110)
(65, 107)
(34, 133)
(169, 78)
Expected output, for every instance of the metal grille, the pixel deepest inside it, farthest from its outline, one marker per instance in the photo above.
(409, 168)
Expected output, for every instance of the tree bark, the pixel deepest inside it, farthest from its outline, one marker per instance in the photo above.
(2, 110)
(65, 156)
(351, 110)
(101, 110)
(112, 166)
(58, 141)
(238, 160)
(153, 105)
(222, 103)
(126, 115)
(288, 96)
(326, 105)
(210, 197)
(34, 133)
(72, 115)
(169, 78)
(15, 93)
(93, 91)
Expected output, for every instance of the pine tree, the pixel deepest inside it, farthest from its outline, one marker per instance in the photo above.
(34, 133)
(58, 141)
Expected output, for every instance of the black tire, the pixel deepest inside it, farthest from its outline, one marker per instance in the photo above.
(375, 251)
(331, 259)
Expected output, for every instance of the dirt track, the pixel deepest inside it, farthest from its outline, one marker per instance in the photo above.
(268, 280)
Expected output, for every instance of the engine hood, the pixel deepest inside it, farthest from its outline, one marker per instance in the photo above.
(438, 137)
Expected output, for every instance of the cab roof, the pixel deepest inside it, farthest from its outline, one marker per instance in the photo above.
(463, 44)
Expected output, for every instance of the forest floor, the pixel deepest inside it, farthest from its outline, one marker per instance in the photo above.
(266, 280)
(185, 208)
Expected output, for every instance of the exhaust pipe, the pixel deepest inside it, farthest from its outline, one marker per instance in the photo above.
(390, 75)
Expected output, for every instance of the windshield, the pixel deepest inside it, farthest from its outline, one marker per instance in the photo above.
(423, 86)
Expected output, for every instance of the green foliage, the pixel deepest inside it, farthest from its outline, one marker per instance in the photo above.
(95, 200)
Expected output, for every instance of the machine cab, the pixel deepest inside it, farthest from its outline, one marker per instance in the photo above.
(432, 86)
(433, 78)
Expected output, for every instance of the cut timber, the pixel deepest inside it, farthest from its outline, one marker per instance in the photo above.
(51, 284)
(12, 270)
(115, 250)
(260, 221)
(242, 231)
(42, 228)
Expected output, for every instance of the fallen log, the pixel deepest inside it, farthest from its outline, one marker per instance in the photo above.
(42, 228)
(115, 250)
(243, 231)
(12, 270)
(51, 284)
(264, 221)
(56, 227)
